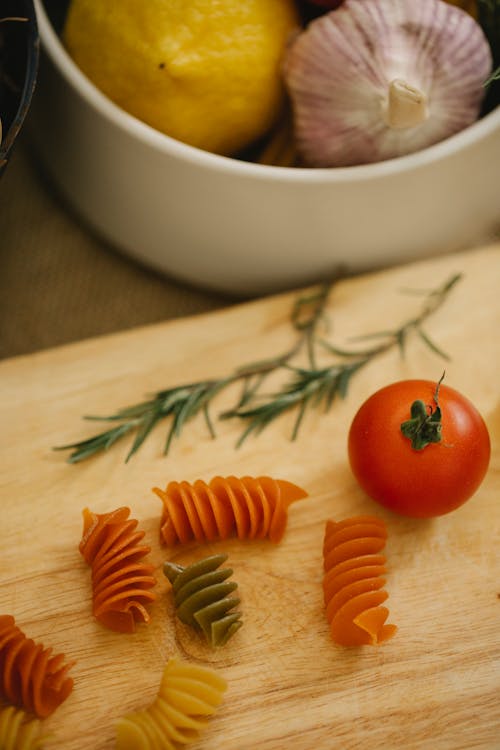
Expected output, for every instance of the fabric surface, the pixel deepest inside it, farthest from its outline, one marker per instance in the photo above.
(59, 283)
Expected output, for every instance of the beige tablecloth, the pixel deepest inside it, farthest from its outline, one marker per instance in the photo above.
(59, 283)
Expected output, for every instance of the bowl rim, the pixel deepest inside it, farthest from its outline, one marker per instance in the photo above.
(33, 54)
(61, 59)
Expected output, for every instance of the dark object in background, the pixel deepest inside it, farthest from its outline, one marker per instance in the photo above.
(19, 53)
(489, 19)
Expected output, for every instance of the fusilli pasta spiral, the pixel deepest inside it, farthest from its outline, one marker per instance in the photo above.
(121, 582)
(202, 597)
(30, 677)
(248, 507)
(188, 695)
(353, 582)
(17, 732)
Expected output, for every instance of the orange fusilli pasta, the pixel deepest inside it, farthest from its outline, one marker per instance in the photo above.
(247, 507)
(121, 581)
(353, 582)
(30, 677)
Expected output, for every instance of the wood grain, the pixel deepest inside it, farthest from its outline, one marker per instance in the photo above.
(435, 685)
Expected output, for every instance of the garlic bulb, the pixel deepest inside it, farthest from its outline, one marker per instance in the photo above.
(377, 79)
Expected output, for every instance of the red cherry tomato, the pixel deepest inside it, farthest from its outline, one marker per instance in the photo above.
(404, 476)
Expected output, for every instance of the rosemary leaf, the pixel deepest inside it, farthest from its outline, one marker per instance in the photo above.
(400, 337)
(311, 352)
(332, 391)
(187, 409)
(300, 415)
(170, 435)
(170, 399)
(344, 378)
(101, 442)
(261, 416)
(139, 410)
(143, 432)
(250, 388)
(373, 335)
(208, 421)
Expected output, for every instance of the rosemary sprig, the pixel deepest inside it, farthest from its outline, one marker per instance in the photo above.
(310, 386)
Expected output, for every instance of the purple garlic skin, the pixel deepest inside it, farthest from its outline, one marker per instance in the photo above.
(377, 79)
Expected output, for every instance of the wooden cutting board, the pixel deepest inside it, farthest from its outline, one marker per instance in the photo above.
(436, 684)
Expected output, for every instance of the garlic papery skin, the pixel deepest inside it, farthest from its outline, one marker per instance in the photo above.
(377, 79)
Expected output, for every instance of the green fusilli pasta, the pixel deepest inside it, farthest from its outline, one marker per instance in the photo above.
(202, 597)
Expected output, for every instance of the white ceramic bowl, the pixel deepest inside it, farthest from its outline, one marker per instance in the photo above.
(250, 229)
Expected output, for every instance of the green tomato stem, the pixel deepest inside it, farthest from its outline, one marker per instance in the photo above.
(424, 425)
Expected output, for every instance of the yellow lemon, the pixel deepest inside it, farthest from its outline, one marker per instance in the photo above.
(206, 72)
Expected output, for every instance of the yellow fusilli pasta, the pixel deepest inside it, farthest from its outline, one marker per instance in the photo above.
(188, 695)
(17, 732)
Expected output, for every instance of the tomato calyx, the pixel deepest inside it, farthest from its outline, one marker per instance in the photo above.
(424, 425)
